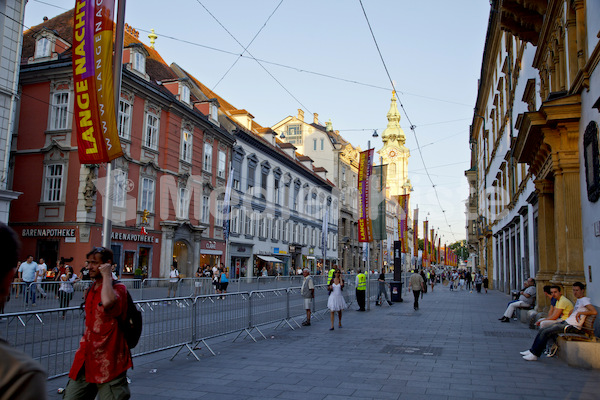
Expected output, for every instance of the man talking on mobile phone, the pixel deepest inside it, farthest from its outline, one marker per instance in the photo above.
(103, 358)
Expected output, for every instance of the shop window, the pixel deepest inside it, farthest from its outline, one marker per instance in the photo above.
(129, 262)
(144, 260)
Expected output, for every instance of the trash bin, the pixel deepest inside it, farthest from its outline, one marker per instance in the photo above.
(396, 291)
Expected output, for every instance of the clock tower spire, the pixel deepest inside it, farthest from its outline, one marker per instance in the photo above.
(394, 153)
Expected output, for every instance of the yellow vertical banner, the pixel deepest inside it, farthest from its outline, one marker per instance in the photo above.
(94, 106)
(365, 168)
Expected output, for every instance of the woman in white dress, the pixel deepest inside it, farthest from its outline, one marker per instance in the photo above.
(336, 302)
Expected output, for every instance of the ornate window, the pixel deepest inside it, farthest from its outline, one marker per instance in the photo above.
(151, 137)
(147, 195)
(186, 146)
(53, 183)
(124, 120)
(60, 111)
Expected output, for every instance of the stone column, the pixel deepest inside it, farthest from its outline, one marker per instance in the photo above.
(489, 260)
(546, 240)
(166, 251)
(567, 210)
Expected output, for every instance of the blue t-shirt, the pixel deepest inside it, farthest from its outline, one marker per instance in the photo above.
(28, 271)
(224, 278)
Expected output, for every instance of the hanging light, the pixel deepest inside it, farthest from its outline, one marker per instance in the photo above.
(375, 133)
(282, 136)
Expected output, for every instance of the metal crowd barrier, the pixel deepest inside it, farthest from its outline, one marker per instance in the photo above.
(52, 336)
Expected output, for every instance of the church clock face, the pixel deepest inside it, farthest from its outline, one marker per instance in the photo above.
(392, 153)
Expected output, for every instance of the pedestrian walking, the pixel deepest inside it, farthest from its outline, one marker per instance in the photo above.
(223, 282)
(65, 291)
(103, 358)
(28, 273)
(382, 292)
(20, 376)
(173, 281)
(216, 276)
(361, 289)
(417, 285)
(486, 282)
(308, 294)
(336, 302)
(198, 282)
(478, 282)
(41, 270)
(17, 281)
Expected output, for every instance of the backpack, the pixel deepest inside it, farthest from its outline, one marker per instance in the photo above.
(131, 325)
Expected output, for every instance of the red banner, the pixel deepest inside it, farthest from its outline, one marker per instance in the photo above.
(403, 221)
(94, 111)
(365, 168)
(416, 232)
(425, 244)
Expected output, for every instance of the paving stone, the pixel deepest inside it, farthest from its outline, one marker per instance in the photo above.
(350, 363)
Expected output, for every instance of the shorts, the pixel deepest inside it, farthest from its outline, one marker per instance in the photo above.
(308, 303)
(173, 286)
(223, 286)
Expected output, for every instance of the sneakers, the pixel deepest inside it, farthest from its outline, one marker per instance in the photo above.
(504, 319)
(377, 304)
(306, 323)
(390, 303)
(530, 357)
(525, 353)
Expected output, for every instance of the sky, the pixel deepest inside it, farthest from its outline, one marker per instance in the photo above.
(320, 56)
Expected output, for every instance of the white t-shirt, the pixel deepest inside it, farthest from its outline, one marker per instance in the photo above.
(174, 275)
(41, 268)
(579, 306)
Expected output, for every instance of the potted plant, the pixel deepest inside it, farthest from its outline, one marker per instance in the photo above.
(137, 274)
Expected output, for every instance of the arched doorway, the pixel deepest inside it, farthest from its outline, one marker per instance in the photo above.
(182, 259)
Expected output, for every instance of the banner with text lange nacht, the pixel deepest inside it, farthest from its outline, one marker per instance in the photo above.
(365, 168)
(95, 123)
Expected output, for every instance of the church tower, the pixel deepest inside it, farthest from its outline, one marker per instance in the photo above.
(395, 154)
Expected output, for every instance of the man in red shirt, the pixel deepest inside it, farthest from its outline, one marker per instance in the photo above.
(103, 358)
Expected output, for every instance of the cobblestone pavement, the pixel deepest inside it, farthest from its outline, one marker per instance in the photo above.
(454, 347)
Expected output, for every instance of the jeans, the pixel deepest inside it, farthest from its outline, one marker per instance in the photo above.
(383, 292)
(545, 334)
(416, 293)
(30, 291)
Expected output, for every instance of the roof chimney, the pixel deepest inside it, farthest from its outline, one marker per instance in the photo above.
(316, 118)
(300, 115)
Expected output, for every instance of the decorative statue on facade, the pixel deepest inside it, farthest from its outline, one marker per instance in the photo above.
(89, 192)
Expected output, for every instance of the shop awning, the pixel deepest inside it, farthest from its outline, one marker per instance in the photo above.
(270, 259)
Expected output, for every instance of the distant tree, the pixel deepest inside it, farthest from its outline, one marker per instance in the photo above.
(460, 249)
